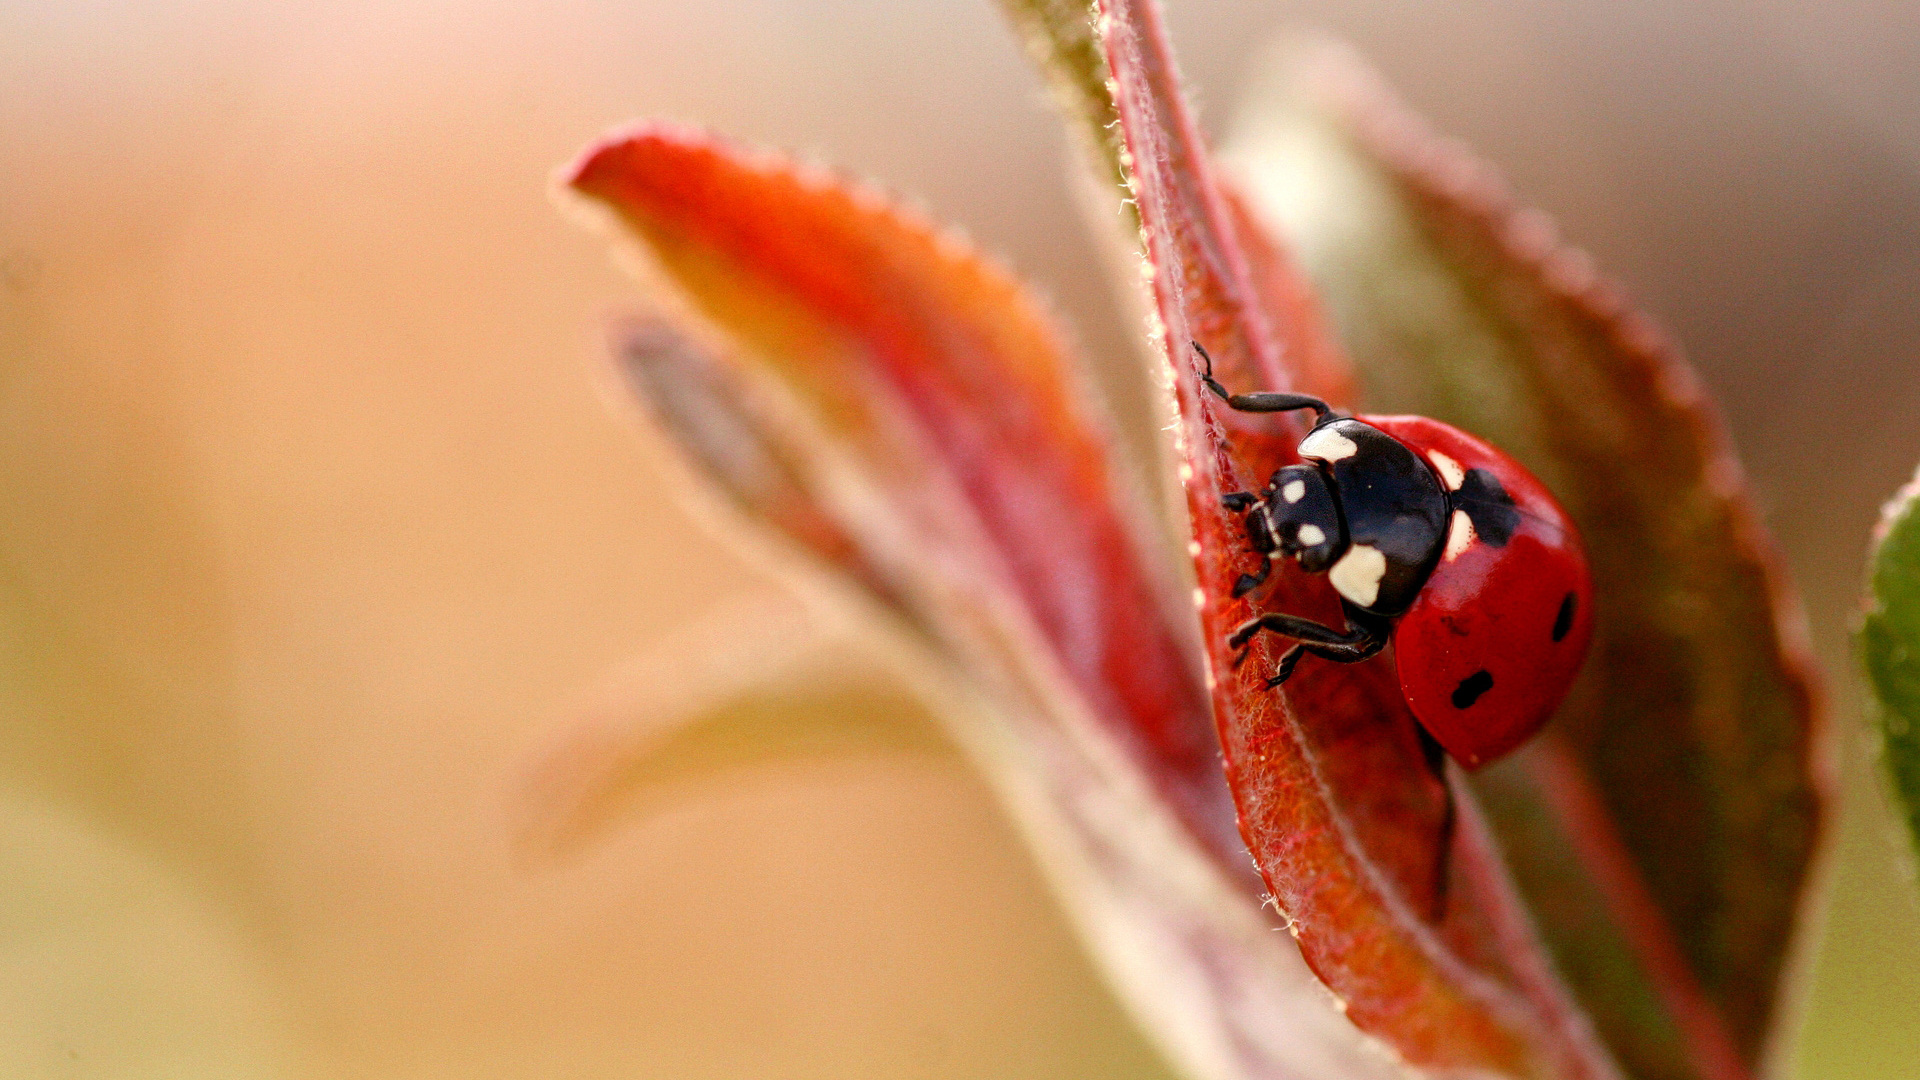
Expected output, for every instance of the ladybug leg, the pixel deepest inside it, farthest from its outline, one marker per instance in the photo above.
(1259, 534)
(1257, 403)
(1359, 643)
(1346, 654)
(1283, 670)
(1307, 630)
(1250, 582)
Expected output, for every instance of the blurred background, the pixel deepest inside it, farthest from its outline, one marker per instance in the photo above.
(326, 546)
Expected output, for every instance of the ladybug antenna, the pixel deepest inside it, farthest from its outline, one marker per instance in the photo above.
(1259, 403)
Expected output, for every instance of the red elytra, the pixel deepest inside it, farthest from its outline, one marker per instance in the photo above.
(1496, 636)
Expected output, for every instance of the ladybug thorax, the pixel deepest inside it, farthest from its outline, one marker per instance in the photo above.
(1393, 509)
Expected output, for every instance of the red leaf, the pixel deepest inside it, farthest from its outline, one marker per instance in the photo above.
(1664, 825)
(948, 376)
(1338, 807)
(889, 399)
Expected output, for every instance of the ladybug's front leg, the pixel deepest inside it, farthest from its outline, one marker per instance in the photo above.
(1366, 638)
(1258, 534)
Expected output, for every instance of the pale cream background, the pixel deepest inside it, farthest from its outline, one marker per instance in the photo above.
(318, 532)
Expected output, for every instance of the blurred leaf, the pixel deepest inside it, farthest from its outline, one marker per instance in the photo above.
(600, 778)
(1663, 826)
(1416, 928)
(711, 409)
(884, 396)
(1890, 645)
(758, 681)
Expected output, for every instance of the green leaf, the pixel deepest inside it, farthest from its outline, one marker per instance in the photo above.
(1890, 646)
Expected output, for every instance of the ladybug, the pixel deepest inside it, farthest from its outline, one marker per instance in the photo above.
(1437, 540)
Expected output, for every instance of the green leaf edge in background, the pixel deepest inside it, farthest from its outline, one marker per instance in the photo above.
(1890, 649)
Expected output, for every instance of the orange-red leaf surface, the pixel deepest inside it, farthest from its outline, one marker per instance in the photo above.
(1430, 948)
(938, 370)
(884, 396)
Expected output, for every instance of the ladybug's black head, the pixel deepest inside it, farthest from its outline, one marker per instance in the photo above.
(1299, 519)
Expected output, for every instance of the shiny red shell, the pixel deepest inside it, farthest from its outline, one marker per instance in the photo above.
(1494, 640)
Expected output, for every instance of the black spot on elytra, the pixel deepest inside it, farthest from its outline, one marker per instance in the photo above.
(1488, 506)
(1471, 688)
(1563, 622)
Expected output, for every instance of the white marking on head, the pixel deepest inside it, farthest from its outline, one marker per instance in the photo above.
(1193, 548)
(1357, 575)
(1326, 444)
(1311, 535)
(1450, 470)
(1459, 536)
(1294, 491)
(1199, 597)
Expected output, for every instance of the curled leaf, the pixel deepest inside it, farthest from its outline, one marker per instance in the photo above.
(881, 394)
(939, 393)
